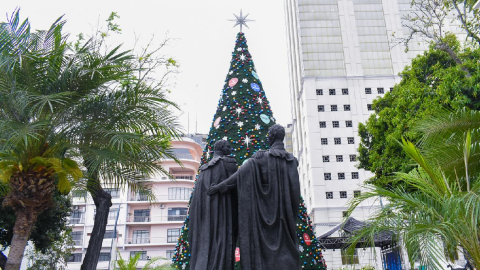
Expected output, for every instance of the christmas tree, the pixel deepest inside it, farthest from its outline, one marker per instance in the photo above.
(310, 253)
(243, 118)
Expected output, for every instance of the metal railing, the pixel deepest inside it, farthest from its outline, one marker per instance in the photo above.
(151, 240)
(161, 197)
(79, 220)
(156, 218)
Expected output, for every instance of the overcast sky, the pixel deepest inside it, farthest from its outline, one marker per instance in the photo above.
(204, 41)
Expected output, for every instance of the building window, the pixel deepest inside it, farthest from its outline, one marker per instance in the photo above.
(391, 89)
(108, 234)
(324, 141)
(339, 158)
(333, 108)
(114, 192)
(173, 235)
(351, 140)
(112, 213)
(321, 108)
(326, 159)
(77, 238)
(337, 140)
(336, 124)
(104, 257)
(343, 194)
(177, 214)
(329, 195)
(356, 193)
(319, 92)
(141, 215)
(353, 158)
(141, 237)
(341, 176)
(354, 175)
(143, 255)
(369, 107)
(179, 193)
(345, 91)
(323, 124)
(170, 254)
(380, 91)
(331, 92)
(348, 123)
(346, 107)
(75, 257)
(368, 91)
(327, 176)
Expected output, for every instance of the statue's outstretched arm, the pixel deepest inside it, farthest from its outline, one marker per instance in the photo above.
(224, 186)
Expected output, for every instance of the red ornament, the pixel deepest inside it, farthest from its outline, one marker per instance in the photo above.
(237, 254)
(307, 239)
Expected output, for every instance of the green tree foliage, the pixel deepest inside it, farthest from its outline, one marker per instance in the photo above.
(132, 264)
(442, 213)
(55, 256)
(62, 105)
(48, 228)
(433, 81)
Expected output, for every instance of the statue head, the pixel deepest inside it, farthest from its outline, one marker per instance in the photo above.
(222, 148)
(276, 133)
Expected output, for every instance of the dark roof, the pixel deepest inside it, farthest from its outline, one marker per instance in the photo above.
(349, 227)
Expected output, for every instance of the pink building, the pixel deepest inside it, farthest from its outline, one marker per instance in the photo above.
(151, 229)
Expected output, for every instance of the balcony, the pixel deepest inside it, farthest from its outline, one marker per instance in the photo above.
(77, 220)
(157, 219)
(161, 197)
(152, 240)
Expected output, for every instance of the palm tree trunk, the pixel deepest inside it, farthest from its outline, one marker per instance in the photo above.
(103, 202)
(24, 224)
(3, 260)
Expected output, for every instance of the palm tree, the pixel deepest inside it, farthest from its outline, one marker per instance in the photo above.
(131, 264)
(65, 107)
(436, 208)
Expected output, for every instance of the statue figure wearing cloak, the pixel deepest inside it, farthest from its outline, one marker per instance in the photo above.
(268, 192)
(213, 220)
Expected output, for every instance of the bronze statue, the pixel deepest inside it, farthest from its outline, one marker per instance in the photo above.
(213, 220)
(268, 192)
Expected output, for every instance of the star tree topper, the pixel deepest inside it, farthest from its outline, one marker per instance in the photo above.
(241, 20)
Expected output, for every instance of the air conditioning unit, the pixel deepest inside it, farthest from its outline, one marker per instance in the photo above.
(162, 206)
(75, 207)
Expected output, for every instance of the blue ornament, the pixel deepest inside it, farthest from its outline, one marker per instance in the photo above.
(265, 118)
(255, 75)
(255, 87)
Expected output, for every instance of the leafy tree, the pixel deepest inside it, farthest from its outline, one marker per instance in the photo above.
(65, 105)
(432, 82)
(55, 256)
(48, 229)
(442, 212)
(122, 264)
(428, 19)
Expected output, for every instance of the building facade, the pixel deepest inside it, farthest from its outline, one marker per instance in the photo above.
(340, 59)
(151, 229)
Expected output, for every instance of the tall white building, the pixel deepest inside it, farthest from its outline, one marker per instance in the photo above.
(340, 60)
